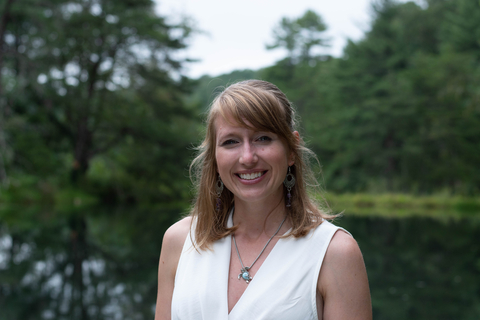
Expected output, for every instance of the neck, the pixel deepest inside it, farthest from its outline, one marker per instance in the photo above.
(257, 219)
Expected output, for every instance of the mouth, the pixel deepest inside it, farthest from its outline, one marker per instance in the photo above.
(251, 176)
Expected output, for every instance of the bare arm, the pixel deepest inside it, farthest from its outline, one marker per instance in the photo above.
(172, 246)
(343, 282)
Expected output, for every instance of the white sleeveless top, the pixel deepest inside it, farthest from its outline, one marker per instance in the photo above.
(284, 287)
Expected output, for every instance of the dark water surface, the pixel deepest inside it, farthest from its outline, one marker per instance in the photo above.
(420, 268)
(101, 263)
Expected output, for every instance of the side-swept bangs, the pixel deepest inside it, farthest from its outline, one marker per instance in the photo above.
(254, 108)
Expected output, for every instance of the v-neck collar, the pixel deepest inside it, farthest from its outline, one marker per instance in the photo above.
(258, 274)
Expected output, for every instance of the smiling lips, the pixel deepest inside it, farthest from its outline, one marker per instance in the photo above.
(251, 176)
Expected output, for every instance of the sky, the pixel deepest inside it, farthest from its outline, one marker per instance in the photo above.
(234, 33)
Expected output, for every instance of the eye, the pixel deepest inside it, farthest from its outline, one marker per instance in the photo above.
(228, 142)
(264, 139)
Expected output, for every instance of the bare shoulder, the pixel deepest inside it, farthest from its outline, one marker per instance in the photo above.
(343, 281)
(175, 236)
(172, 245)
(343, 248)
(343, 258)
(173, 241)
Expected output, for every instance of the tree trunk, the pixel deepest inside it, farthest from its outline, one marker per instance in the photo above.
(78, 227)
(3, 27)
(83, 148)
(3, 101)
(84, 135)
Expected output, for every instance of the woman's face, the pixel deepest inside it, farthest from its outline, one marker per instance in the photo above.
(252, 164)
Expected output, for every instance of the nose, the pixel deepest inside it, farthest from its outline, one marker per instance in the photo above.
(249, 155)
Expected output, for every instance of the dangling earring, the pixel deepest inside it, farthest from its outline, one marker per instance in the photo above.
(289, 182)
(219, 190)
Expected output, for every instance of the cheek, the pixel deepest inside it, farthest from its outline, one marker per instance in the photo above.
(279, 156)
(218, 160)
(222, 160)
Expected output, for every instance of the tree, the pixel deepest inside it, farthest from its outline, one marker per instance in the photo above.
(79, 69)
(299, 36)
(93, 93)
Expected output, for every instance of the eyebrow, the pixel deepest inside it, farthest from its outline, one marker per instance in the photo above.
(234, 132)
(225, 135)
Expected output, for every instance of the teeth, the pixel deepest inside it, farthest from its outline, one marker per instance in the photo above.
(250, 176)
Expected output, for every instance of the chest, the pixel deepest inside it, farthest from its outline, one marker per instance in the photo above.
(244, 254)
(283, 286)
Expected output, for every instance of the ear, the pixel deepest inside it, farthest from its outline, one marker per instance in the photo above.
(291, 159)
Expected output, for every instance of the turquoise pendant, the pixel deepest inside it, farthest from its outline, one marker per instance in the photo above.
(245, 275)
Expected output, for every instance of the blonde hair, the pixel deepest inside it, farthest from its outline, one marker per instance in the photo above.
(262, 106)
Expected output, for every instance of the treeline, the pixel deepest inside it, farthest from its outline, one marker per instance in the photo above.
(92, 98)
(399, 111)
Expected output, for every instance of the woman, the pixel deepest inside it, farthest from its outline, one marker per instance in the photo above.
(255, 246)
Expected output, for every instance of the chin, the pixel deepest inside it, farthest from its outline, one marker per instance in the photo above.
(253, 197)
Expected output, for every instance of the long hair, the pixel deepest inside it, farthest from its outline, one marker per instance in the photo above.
(258, 105)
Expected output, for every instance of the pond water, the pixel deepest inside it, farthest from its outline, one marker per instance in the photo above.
(421, 268)
(101, 263)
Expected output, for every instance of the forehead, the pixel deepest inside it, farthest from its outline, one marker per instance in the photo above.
(227, 123)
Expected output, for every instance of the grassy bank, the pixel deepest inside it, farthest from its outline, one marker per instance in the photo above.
(404, 205)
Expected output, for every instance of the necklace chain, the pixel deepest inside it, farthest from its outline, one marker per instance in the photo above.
(244, 272)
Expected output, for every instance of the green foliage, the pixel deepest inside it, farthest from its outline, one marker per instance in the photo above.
(445, 89)
(28, 189)
(299, 36)
(94, 104)
(208, 87)
(96, 81)
(461, 28)
(399, 111)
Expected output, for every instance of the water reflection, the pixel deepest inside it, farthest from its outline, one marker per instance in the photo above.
(101, 263)
(421, 268)
(96, 263)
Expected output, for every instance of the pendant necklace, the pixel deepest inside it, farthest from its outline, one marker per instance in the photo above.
(244, 274)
